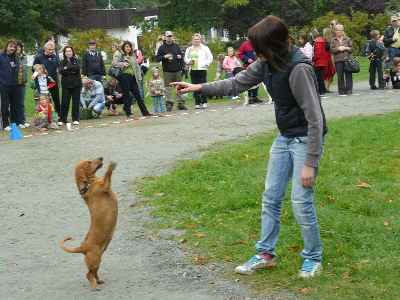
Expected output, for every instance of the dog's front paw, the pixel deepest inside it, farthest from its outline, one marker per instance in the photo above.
(113, 165)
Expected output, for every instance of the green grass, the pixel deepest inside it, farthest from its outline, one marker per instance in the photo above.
(219, 196)
(30, 107)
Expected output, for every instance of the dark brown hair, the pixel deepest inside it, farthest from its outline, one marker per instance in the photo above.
(9, 42)
(123, 48)
(65, 49)
(303, 36)
(270, 39)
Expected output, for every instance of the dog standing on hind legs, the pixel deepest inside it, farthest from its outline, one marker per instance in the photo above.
(103, 208)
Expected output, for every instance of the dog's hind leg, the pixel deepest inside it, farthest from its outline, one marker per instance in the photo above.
(107, 176)
(93, 260)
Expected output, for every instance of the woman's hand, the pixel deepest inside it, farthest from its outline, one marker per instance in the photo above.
(184, 87)
(307, 176)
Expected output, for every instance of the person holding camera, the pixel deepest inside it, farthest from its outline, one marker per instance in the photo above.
(130, 78)
(171, 58)
(392, 38)
(341, 48)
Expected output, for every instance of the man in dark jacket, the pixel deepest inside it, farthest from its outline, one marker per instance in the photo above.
(51, 62)
(170, 55)
(392, 38)
(9, 67)
(93, 64)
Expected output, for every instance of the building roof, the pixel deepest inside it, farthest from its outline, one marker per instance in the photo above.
(82, 16)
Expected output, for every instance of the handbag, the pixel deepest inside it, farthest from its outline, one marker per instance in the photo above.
(114, 71)
(352, 65)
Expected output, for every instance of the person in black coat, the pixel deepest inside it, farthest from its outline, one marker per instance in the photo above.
(71, 85)
(9, 66)
(93, 64)
(52, 64)
(392, 38)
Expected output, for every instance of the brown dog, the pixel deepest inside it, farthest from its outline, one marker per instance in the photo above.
(103, 208)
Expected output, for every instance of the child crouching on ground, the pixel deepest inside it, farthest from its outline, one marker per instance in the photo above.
(395, 73)
(44, 116)
(157, 91)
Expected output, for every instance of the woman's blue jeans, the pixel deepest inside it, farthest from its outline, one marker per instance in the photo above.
(287, 158)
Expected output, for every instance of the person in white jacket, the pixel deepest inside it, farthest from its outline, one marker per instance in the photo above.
(199, 58)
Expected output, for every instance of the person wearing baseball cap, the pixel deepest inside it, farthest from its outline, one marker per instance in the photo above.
(171, 58)
(92, 63)
(392, 37)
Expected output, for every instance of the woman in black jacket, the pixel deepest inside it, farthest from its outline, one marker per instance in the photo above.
(71, 85)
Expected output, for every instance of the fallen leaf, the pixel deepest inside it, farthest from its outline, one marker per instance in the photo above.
(199, 235)
(191, 226)
(240, 242)
(363, 185)
(294, 248)
(305, 290)
(346, 275)
(182, 241)
(228, 259)
(331, 199)
(199, 260)
(386, 223)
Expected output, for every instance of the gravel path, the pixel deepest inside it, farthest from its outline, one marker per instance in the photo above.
(40, 204)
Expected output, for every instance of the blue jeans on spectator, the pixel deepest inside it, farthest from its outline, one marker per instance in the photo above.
(393, 52)
(158, 104)
(287, 158)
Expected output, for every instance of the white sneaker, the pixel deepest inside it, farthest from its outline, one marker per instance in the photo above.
(22, 126)
(310, 268)
(27, 125)
(197, 106)
(205, 105)
(60, 123)
(235, 97)
(75, 123)
(8, 128)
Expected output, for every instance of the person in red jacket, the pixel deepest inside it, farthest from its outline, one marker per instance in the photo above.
(248, 56)
(322, 60)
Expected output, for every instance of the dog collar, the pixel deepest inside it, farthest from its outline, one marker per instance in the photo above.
(84, 190)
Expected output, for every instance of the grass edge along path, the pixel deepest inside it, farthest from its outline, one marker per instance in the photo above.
(217, 200)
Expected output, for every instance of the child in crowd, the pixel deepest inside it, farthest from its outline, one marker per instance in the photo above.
(44, 116)
(375, 51)
(395, 73)
(305, 46)
(229, 64)
(157, 91)
(220, 67)
(42, 82)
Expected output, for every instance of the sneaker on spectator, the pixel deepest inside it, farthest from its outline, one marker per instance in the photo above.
(27, 125)
(60, 123)
(76, 123)
(8, 128)
(310, 268)
(205, 105)
(22, 126)
(197, 106)
(258, 261)
(235, 98)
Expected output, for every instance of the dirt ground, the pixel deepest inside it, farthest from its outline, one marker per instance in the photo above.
(40, 204)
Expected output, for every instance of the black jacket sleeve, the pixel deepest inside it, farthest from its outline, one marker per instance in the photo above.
(160, 53)
(388, 37)
(84, 64)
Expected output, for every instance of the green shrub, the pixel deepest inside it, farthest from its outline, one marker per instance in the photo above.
(217, 47)
(356, 27)
(80, 39)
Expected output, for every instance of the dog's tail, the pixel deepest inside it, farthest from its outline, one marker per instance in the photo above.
(70, 250)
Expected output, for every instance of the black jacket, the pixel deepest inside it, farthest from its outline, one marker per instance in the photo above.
(51, 63)
(289, 115)
(388, 37)
(70, 73)
(9, 66)
(174, 65)
(93, 64)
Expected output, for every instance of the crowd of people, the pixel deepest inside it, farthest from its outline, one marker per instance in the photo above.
(83, 81)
